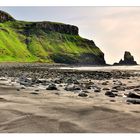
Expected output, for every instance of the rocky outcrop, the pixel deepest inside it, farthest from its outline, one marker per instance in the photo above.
(5, 17)
(57, 27)
(128, 60)
(53, 27)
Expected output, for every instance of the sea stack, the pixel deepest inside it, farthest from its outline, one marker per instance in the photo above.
(128, 60)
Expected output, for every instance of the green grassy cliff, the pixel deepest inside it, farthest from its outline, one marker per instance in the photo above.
(51, 42)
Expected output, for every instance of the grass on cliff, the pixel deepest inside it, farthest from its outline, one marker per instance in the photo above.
(41, 45)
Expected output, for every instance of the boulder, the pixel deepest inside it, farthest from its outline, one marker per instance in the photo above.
(109, 94)
(133, 101)
(23, 80)
(133, 95)
(71, 80)
(51, 87)
(72, 87)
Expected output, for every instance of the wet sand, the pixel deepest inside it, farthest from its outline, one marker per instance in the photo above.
(61, 111)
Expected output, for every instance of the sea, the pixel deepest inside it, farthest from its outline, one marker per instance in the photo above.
(102, 68)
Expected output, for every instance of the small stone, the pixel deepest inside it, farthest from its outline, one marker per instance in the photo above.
(119, 88)
(82, 94)
(3, 79)
(112, 100)
(106, 89)
(57, 81)
(77, 88)
(56, 93)
(114, 90)
(105, 83)
(97, 90)
(35, 93)
(110, 94)
(37, 90)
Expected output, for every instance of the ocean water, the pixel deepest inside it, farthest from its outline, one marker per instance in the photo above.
(102, 68)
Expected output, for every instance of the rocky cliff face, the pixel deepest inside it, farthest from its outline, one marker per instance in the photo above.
(128, 60)
(5, 17)
(46, 42)
(56, 27)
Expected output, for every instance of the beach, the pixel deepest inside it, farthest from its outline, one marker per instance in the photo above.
(42, 98)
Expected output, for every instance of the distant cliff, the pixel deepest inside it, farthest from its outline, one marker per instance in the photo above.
(128, 60)
(45, 41)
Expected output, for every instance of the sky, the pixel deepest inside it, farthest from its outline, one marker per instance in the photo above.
(113, 29)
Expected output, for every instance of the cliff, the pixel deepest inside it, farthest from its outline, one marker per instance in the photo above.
(45, 42)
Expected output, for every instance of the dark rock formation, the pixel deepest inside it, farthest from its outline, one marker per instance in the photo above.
(5, 17)
(52, 26)
(128, 60)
